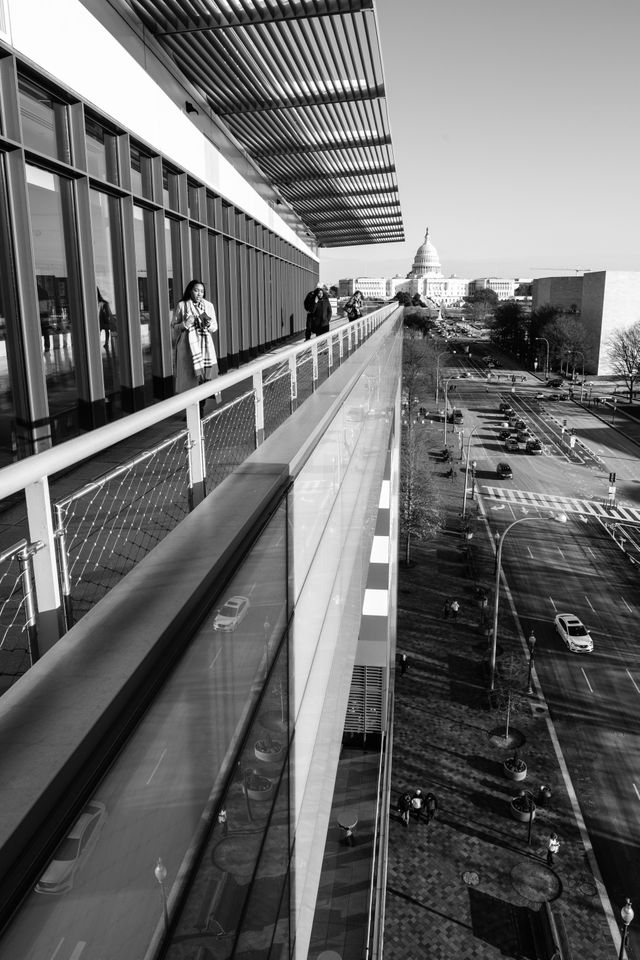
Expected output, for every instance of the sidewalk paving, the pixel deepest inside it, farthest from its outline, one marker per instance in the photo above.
(468, 886)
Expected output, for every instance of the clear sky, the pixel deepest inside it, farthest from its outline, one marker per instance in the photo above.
(516, 135)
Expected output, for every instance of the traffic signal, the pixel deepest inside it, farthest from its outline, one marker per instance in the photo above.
(612, 478)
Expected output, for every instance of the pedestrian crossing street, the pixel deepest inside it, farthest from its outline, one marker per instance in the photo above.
(525, 498)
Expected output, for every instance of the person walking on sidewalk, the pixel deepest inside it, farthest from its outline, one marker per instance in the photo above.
(455, 607)
(484, 603)
(404, 664)
(447, 609)
(404, 806)
(430, 807)
(552, 848)
(417, 805)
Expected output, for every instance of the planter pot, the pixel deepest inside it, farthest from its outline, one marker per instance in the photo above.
(268, 752)
(261, 788)
(512, 774)
(517, 813)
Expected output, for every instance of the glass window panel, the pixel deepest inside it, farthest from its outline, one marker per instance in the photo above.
(103, 214)
(193, 201)
(170, 189)
(143, 235)
(7, 408)
(101, 152)
(196, 265)
(172, 246)
(44, 121)
(47, 196)
(141, 182)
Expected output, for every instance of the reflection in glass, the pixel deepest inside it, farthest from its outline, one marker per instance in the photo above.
(101, 236)
(143, 235)
(140, 173)
(44, 121)
(101, 152)
(172, 247)
(7, 409)
(157, 796)
(47, 192)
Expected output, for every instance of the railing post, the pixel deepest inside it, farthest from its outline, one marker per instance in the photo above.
(330, 353)
(45, 568)
(25, 559)
(63, 560)
(259, 408)
(314, 356)
(340, 346)
(293, 383)
(195, 448)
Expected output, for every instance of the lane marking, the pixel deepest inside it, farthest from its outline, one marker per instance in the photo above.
(78, 950)
(57, 950)
(589, 602)
(636, 790)
(529, 550)
(155, 769)
(215, 658)
(630, 609)
(587, 679)
(633, 681)
(553, 604)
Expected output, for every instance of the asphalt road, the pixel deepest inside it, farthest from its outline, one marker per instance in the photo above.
(594, 699)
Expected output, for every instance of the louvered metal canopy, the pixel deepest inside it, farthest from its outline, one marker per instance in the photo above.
(299, 84)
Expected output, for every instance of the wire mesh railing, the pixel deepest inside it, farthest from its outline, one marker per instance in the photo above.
(102, 530)
(18, 628)
(108, 526)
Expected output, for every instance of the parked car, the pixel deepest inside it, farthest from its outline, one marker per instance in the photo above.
(555, 382)
(503, 471)
(520, 424)
(504, 434)
(533, 446)
(563, 396)
(541, 396)
(511, 445)
(574, 633)
(506, 408)
(523, 435)
(74, 850)
(553, 396)
(229, 616)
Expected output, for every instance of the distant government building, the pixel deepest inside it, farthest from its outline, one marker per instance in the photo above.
(604, 300)
(427, 279)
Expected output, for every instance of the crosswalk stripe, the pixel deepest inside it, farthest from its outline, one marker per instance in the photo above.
(569, 504)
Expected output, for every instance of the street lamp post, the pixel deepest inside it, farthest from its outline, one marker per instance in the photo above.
(160, 874)
(531, 643)
(627, 916)
(466, 473)
(473, 479)
(438, 370)
(559, 518)
(546, 366)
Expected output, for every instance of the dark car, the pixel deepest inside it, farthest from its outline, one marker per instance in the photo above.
(504, 434)
(563, 396)
(556, 382)
(511, 445)
(504, 472)
(533, 446)
(553, 396)
(523, 435)
(506, 408)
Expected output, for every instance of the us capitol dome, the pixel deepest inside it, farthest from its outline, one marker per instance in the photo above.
(426, 262)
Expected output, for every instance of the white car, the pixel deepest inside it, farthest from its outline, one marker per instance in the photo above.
(74, 850)
(229, 616)
(574, 633)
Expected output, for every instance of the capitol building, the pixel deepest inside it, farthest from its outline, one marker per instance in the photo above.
(427, 279)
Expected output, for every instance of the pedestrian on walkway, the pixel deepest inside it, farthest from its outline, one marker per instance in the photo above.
(455, 607)
(552, 848)
(430, 807)
(484, 603)
(417, 805)
(447, 609)
(404, 806)
(318, 308)
(404, 664)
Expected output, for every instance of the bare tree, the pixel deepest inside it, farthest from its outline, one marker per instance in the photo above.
(420, 507)
(624, 353)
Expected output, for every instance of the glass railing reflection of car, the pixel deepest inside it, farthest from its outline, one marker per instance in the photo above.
(74, 850)
(231, 613)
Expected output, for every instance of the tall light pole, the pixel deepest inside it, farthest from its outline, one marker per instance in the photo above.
(559, 518)
(546, 366)
(438, 370)
(466, 472)
(531, 643)
(627, 916)
(160, 874)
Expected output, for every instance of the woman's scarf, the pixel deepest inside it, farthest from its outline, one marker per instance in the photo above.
(203, 354)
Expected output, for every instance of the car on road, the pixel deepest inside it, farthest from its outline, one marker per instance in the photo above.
(503, 471)
(555, 382)
(231, 613)
(574, 633)
(563, 396)
(74, 850)
(511, 445)
(506, 408)
(553, 396)
(540, 396)
(523, 435)
(533, 446)
(504, 434)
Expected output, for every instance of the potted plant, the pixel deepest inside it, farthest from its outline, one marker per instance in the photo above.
(267, 749)
(257, 786)
(523, 807)
(514, 768)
